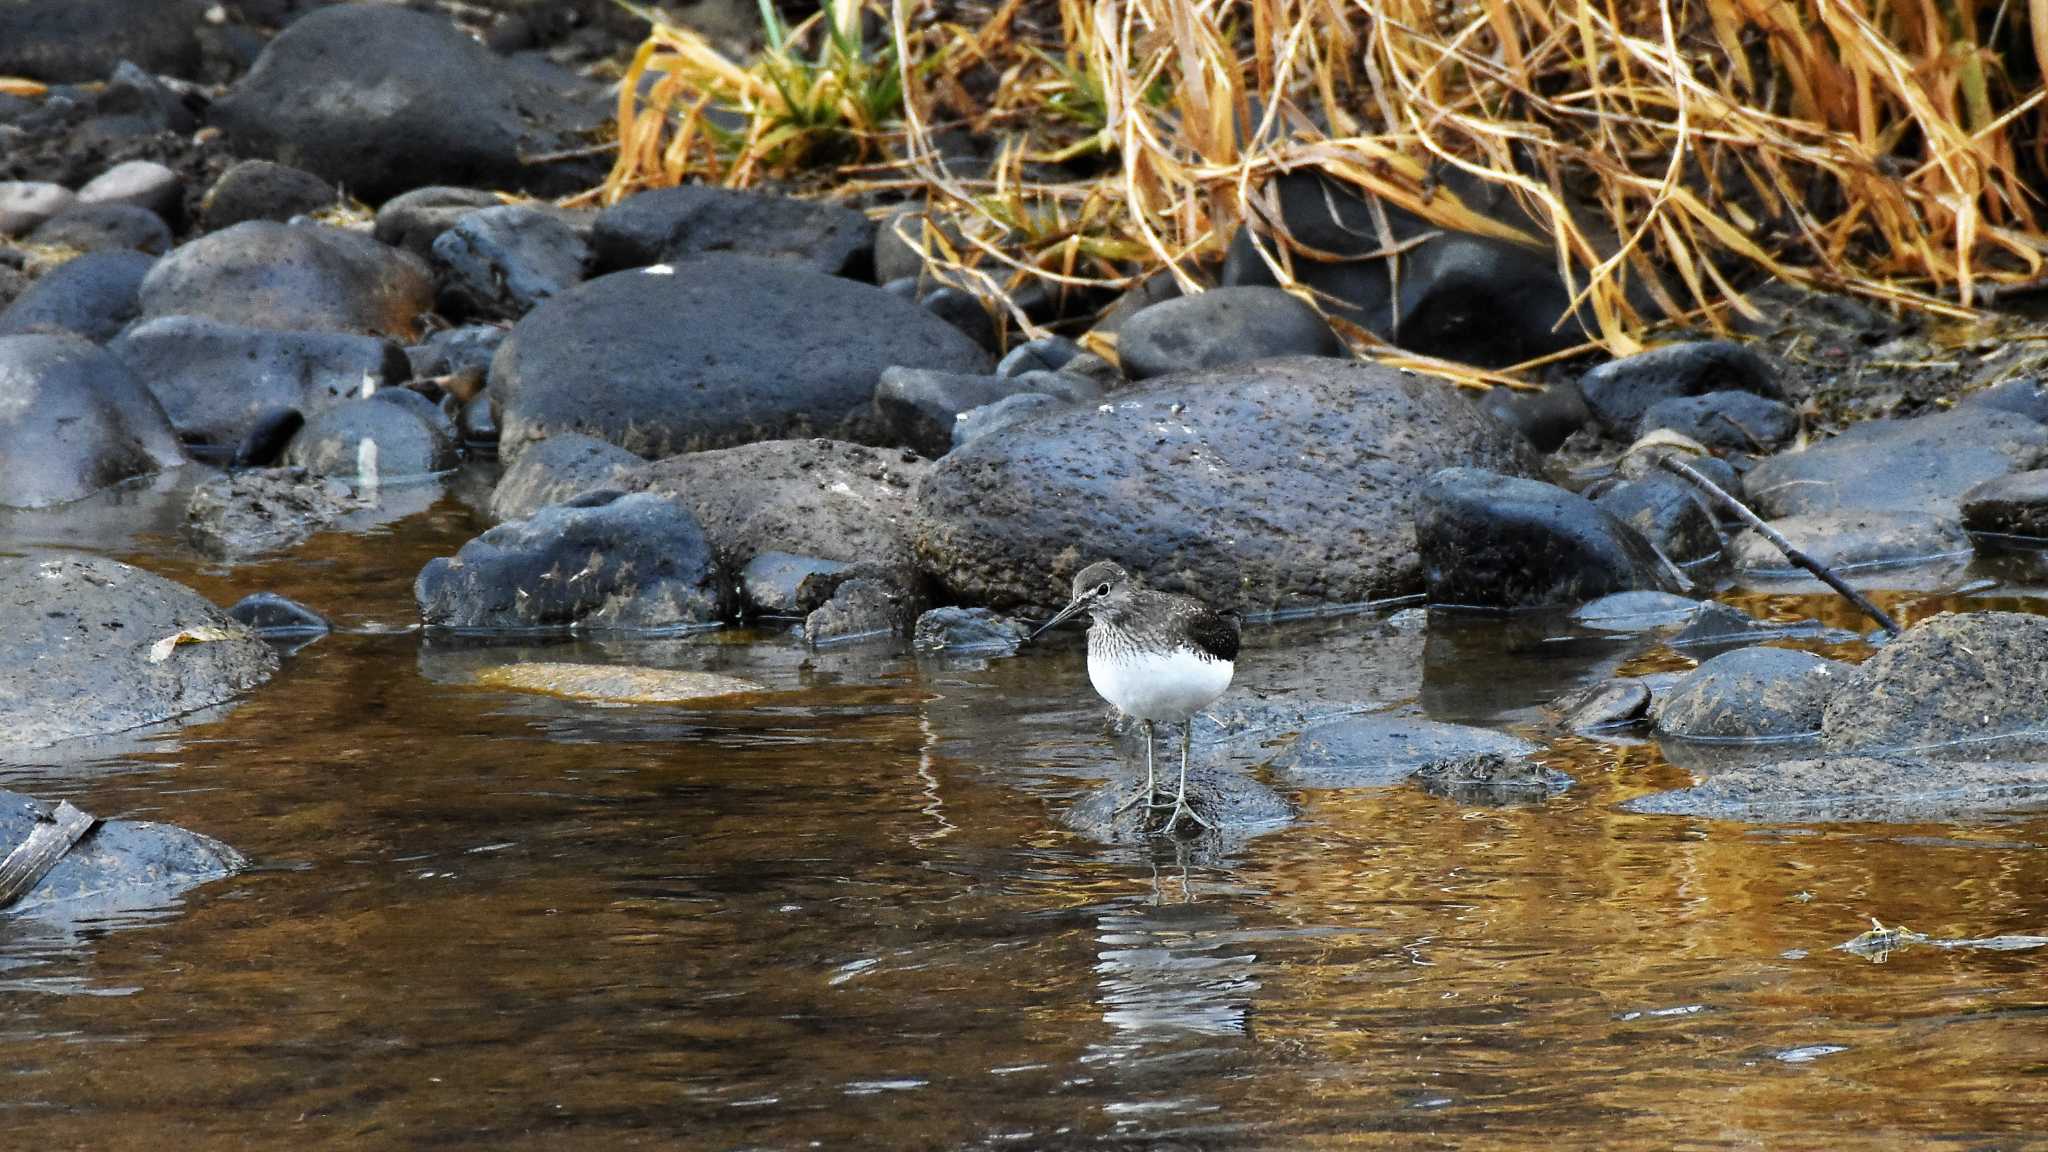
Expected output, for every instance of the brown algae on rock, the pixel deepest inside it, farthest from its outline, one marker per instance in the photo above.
(615, 684)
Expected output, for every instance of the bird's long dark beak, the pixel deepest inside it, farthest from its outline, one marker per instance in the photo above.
(1071, 608)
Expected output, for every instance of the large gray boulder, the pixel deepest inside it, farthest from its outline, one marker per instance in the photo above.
(403, 99)
(87, 648)
(708, 354)
(262, 274)
(216, 380)
(1968, 686)
(1282, 484)
(73, 420)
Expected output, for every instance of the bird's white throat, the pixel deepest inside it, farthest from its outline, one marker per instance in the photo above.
(1153, 684)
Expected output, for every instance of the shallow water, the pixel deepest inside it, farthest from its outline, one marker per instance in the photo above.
(847, 914)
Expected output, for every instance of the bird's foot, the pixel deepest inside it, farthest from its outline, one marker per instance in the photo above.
(1180, 809)
(1153, 799)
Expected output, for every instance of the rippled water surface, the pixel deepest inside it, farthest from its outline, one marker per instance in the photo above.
(848, 914)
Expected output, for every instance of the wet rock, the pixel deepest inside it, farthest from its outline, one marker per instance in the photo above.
(2015, 505)
(371, 441)
(250, 513)
(967, 631)
(633, 562)
(1045, 354)
(406, 99)
(784, 584)
(270, 615)
(73, 420)
(1861, 789)
(1641, 463)
(822, 498)
(1461, 296)
(1609, 704)
(263, 190)
(416, 219)
(1236, 803)
(1546, 418)
(1490, 778)
(82, 652)
(1012, 409)
(216, 380)
(1750, 694)
(266, 275)
(859, 609)
(503, 261)
(143, 184)
(83, 40)
(721, 351)
(1725, 421)
(1621, 392)
(1959, 686)
(1220, 327)
(1290, 483)
(1669, 514)
(25, 204)
(2024, 397)
(1381, 749)
(463, 352)
(670, 225)
(1719, 626)
(94, 296)
(1495, 541)
(1920, 465)
(95, 227)
(1853, 539)
(1636, 611)
(117, 866)
(556, 469)
(614, 684)
(269, 434)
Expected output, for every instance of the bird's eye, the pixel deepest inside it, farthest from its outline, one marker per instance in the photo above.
(1102, 589)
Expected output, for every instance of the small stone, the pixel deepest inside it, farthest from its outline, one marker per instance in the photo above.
(93, 227)
(414, 220)
(919, 408)
(1751, 694)
(93, 296)
(671, 225)
(1045, 354)
(503, 261)
(1628, 612)
(967, 631)
(965, 312)
(371, 441)
(271, 615)
(263, 190)
(1621, 392)
(25, 205)
(139, 184)
(1220, 327)
(1610, 704)
(1725, 421)
(479, 425)
(1854, 539)
(1669, 514)
(861, 608)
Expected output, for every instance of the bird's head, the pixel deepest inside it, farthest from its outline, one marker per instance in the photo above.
(1103, 585)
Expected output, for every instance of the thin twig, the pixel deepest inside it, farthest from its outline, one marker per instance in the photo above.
(1673, 464)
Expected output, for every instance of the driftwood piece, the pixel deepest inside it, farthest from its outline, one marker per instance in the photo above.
(56, 830)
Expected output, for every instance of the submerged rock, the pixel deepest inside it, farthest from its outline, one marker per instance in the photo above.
(1237, 804)
(117, 865)
(1637, 611)
(73, 420)
(1489, 540)
(631, 562)
(1751, 694)
(1970, 686)
(1610, 704)
(822, 498)
(89, 646)
(1853, 539)
(668, 225)
(967, 631)
(294, 276)
(1490, 778)
(1621, 392)
(405, 99)
(784, 584)
(711, 353)
(1862, 789)
(1922, 465)
(372, 441)
(272, 616)
(248, 513)
(1220, 327)
(1284, 484)
(612, 683)
(1381, 749)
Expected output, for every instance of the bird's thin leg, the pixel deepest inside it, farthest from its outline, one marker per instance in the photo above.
(1180, 802)
(1151, 779)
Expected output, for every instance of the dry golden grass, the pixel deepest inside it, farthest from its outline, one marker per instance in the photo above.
(1885, 148)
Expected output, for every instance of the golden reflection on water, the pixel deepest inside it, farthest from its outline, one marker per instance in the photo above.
(848, 915)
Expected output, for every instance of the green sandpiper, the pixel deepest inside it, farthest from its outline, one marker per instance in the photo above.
(1157, 656)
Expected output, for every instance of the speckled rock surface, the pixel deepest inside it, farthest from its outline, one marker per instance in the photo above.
(1955, 682)
(1751, 694)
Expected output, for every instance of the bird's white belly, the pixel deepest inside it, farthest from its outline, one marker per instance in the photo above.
(1152, 685)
